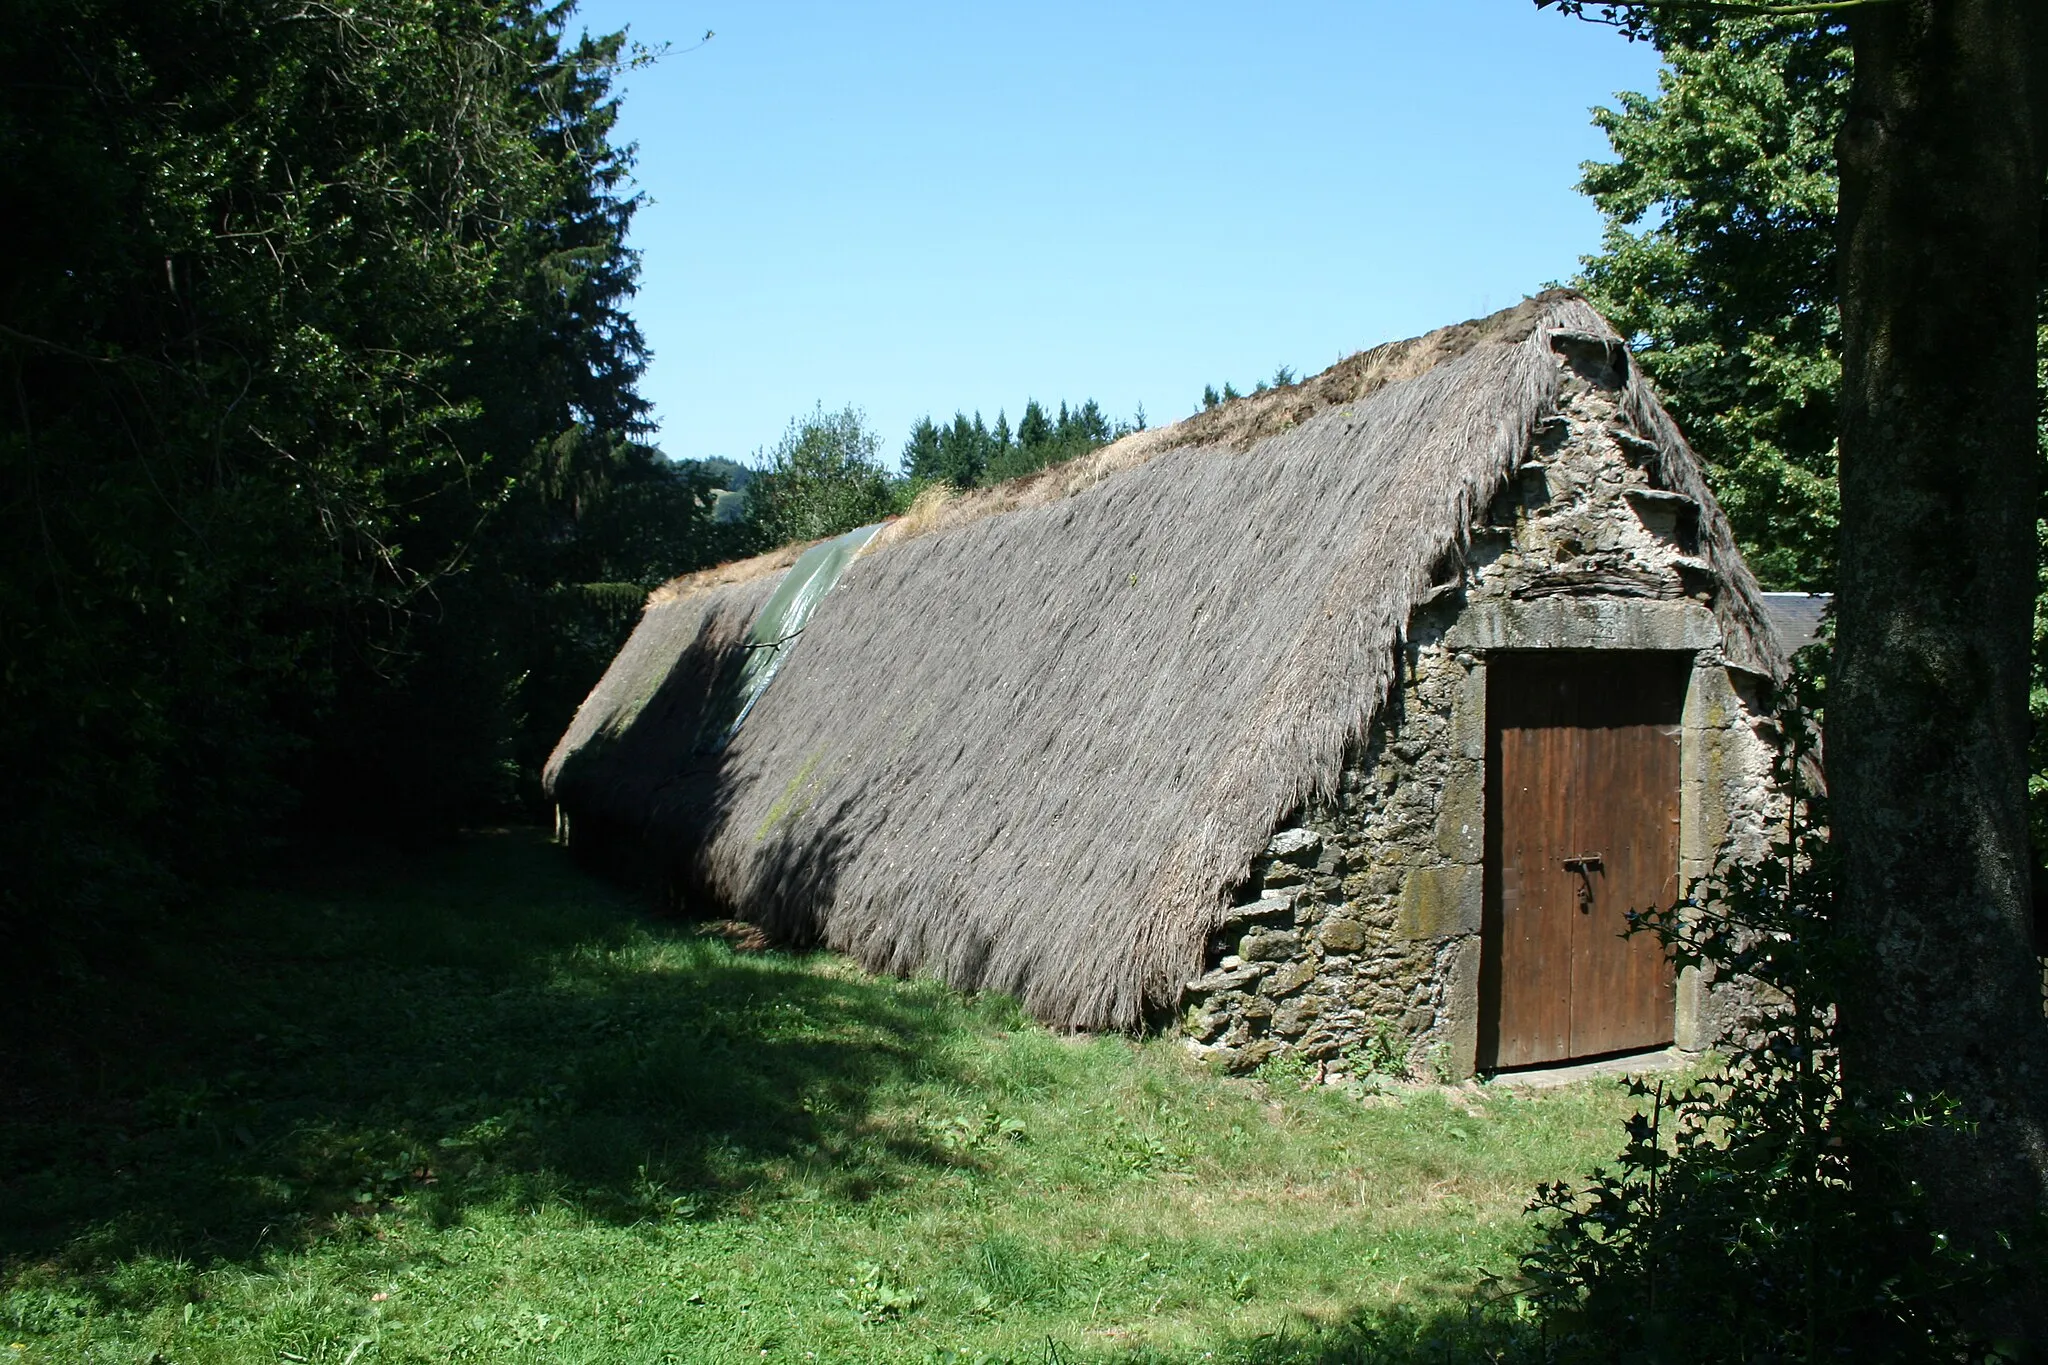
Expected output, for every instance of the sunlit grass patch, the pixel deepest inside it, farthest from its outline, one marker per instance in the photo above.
(478, 1107)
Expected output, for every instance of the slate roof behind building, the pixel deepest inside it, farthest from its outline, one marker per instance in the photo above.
(1796, 617)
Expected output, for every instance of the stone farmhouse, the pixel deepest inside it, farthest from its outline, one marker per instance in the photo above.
(1349, 716)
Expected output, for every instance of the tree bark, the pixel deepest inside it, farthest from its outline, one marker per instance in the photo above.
(1942, 163)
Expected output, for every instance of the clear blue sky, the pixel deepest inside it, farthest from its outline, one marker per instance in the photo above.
(920, 207)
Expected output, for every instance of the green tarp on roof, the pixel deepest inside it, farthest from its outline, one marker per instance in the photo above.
(775, 631)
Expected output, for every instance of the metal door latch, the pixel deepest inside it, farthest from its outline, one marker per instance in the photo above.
(1586, 864)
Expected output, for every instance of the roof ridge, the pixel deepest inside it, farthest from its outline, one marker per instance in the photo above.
(1238, 425)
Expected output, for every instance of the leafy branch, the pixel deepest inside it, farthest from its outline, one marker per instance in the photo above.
(1637, 19)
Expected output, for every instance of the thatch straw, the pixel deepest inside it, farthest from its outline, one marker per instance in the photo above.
(639, 726)
(1036, 747)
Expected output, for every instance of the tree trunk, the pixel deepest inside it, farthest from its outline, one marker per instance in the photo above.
(1942, 163)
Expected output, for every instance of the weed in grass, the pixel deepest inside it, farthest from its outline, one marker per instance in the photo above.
(1283, 1070)
(987, 1131)
(477, 1107)
(874, 1295)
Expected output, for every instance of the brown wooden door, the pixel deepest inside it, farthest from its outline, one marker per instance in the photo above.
(1582, 826)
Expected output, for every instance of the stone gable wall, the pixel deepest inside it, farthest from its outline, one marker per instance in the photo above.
(1356, 940)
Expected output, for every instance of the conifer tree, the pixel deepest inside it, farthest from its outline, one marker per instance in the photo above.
(1033, 430)
(1091, 426)
(969, 453)
(961, 451)
(322, 398)
(922, 456)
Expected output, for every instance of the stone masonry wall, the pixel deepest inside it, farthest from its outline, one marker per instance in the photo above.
(1356, 940)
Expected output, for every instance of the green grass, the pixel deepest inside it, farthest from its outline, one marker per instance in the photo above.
(476, 1106)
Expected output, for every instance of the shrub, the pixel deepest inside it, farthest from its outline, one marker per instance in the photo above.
(823, 478)
(1750, 1215)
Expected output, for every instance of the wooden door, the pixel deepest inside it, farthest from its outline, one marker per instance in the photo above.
(1582, 826)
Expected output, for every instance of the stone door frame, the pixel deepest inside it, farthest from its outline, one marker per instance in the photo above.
(1712, 710)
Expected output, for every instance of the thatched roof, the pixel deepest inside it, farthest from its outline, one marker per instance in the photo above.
(1036, 737)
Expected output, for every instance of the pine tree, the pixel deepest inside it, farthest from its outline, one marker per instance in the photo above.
(922, 456)
(961, 459)
(969, 453)
(1033, 430)
(1092, 426)
(322, 380)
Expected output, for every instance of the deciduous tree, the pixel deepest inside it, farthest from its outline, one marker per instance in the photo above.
(1943, 155)
(1718, 262)
(821, 479)
(1943, 159)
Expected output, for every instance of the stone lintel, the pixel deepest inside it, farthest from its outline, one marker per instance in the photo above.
(1585, 623)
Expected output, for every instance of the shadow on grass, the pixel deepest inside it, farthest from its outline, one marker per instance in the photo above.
(481, 1027)
(1473, 1334)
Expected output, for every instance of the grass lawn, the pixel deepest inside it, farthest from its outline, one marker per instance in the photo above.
(477, 1106)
